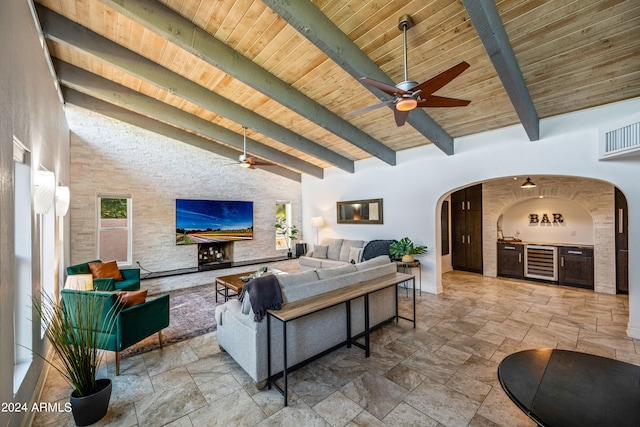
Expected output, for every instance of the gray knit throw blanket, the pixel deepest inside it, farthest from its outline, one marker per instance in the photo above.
(264, 294)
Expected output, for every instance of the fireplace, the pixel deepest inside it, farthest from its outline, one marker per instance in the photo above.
(212, 256)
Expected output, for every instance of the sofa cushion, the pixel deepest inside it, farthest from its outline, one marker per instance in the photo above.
(307, 262)
(80, 268)
(334, 246)
(297, 278)
(329, 263)
(131, 298)
(373, 262)
(346, 248)
(127, 285)
(105, 270)
(327, 273)
(320, 251)
(355, 255)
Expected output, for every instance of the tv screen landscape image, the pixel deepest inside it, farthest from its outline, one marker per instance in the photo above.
(211, 221)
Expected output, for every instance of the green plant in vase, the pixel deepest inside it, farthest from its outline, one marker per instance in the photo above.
(289, 232)
(404, 249)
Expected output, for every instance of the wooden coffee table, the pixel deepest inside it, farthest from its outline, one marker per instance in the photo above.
(233, 282)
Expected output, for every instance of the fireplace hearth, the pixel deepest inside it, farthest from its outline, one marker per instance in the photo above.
(213, 256)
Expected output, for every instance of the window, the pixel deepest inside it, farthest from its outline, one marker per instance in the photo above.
(283, 215)
(114, 229)
(22, 314)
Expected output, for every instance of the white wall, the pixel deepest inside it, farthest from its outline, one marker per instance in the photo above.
(112, 157)
(30, 111)
(413, 190)
(576, 227)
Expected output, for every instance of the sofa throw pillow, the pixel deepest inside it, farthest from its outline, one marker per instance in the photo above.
(131, 298)
(105, 270)
(320, 251)
(333, 247)
(355, 255)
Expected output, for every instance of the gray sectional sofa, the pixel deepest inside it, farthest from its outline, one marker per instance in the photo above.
(246, 341)
(338, 252)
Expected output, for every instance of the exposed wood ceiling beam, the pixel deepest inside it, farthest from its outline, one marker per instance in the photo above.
(65, 31)
(486, 20)
(86, 82)
(88, 102)
(188, 36)
(305, 17)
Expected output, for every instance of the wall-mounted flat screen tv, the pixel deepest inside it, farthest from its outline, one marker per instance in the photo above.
(211, 221)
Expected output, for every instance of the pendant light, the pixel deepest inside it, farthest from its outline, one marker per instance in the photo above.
(528, 184)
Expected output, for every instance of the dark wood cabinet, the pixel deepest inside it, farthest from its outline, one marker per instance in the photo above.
(466, 229)
(575, 266)
(622, 243)
(511, 260)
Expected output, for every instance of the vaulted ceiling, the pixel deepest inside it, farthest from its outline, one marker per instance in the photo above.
(201, 70)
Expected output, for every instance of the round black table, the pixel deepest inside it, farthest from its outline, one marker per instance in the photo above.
(561, 388)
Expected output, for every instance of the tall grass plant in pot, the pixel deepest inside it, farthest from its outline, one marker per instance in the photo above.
(75, 330)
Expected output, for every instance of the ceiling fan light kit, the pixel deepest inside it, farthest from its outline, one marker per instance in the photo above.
(406, 104)
(410, 94)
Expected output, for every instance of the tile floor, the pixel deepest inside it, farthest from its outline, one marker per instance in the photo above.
(443, 373)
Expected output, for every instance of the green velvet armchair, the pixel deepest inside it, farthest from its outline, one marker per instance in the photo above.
(132, 324)
(131, 278)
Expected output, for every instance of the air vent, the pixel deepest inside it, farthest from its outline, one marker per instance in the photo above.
(620, 141)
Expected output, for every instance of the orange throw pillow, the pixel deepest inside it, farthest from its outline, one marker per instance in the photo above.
(105, 270)
(131, 298)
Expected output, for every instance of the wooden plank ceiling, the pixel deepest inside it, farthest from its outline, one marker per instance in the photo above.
(210, 67)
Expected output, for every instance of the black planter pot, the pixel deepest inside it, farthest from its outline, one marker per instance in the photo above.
(90, 409)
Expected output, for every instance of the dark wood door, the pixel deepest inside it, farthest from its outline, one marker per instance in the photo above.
(622, 243)
(510, 260)
(458, 230)
(474, 198)
(473, 254)
(576, 267)
(466, 229)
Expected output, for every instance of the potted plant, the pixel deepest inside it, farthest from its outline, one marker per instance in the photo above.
(405, 249)
(289, 232)
(75, 329)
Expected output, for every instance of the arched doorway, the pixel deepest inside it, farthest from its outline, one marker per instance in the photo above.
(595, 196)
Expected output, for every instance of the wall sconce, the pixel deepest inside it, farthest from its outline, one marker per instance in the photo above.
(317, 222)
(63, 197)
(44, 191)
(528, 184)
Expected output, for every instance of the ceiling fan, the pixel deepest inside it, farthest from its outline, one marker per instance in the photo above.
(408, 94)
(244, 160)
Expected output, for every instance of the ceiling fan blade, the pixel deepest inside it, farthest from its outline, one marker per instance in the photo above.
(371, 107)
(386, 88)
(400, 116)
(253, 162)
(434, 83)
(433, 101)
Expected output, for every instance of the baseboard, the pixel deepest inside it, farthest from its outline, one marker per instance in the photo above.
(633, 332)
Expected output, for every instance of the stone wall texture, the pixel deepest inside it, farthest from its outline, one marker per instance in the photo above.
(112, 158)
(595, 196)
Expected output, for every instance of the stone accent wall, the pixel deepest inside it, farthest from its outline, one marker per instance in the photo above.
(597, 197)
(109, 157)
